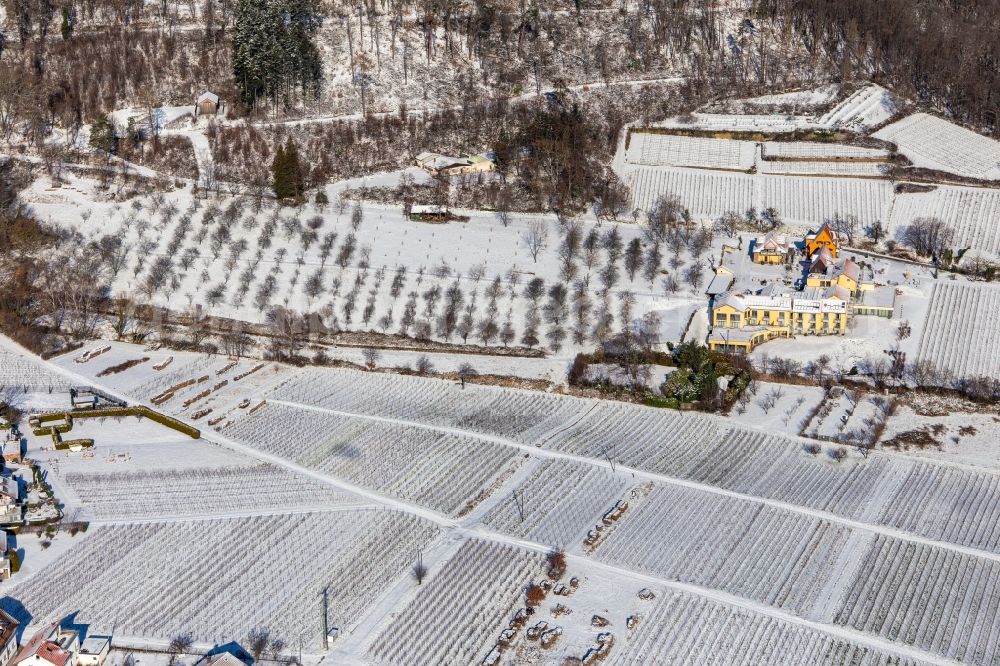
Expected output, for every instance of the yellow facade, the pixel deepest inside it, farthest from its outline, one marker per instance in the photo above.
(726, 316)
(768, 258)
(842, 280)
(816, 323)
(725, 343)
(736, 329)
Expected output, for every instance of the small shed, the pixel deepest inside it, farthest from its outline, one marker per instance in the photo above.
(430, 213)
(93, 651)
(207, 104)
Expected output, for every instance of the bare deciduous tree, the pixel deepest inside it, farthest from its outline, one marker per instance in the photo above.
(536, 238)
(371, 356)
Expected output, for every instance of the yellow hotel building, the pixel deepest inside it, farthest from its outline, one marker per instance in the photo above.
(741, 322)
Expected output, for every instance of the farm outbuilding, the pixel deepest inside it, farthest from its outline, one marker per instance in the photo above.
(444, 165)
(207, 104)
(430, 213)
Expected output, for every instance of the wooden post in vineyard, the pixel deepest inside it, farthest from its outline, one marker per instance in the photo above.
(519, 503)
(323, 621)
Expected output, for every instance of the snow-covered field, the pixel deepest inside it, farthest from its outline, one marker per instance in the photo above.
(343, 480)
(812, 150)
(866, 108)
(706, 194)
(803, 192)
(821, 168)
(962, 333)
(220, 578)
(669, 150)
(382, 273)
(933, 143)
(434, 469)
(26, 383)
(423, 509)
(970, 212)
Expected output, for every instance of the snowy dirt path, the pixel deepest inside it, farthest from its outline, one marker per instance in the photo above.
(202, 154)
(523, 97)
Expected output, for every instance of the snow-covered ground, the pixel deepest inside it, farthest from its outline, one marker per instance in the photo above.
(933, 143)
(235, 262)
(353, 473)
(866, 108)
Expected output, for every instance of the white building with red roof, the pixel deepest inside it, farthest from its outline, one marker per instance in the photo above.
(8, 637)
(50, 646)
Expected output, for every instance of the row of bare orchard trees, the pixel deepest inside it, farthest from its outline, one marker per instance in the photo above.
(238, 257)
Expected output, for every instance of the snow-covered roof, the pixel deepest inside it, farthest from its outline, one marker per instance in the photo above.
(879, 297)
(822, 261)
(426, 155)
(772, 240)
(826, 225)
(43, 646)
(838, 292)
(722, 281)
(732, 300)
(8, 627)
(850, 269)
(745, 334)
(428, 210)
(774, 290)
(823, 264)
(211, 97)
(221, 659)
(825, 293)
(95, 645)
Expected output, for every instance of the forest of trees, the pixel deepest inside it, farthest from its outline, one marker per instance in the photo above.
(944, 53)
(273, 49)
(64, 64)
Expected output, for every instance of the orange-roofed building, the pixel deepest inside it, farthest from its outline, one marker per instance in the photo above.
(826, 237)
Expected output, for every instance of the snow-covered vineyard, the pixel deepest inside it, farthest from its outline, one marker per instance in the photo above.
(934, 143)
(809, 182)
(691, 538)
(159, 579)
(20, 374)
(962, 332)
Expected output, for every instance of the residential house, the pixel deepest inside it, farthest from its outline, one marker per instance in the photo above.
(773, 249)
(10, 500)
(826, 237)
(743, 321)
(94, 650)
(443, 165)
(207, 104)
(221, 659)
(11, 444)
(8, 637)
(824, 271)
(50, 646)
